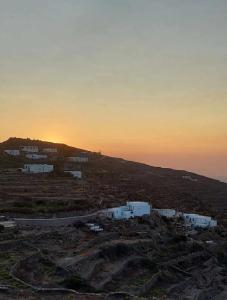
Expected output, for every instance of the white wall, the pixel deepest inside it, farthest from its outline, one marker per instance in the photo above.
(12, 152)
(169, 213)
(139, 208)
(32, 149)
(50, 150)
(78, 159)
(131, 210)
(37, 168)
(199, 220)
(36, 156)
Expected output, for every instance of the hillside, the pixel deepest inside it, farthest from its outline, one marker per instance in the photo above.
(107, 181)
(148, 257)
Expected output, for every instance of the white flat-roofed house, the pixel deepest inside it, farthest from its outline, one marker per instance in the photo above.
(130, 210)
(12, 152)
(139, 208)
(166, 212)
(50, 150)
(75, 174)
(78, 159)
(199, 220)
(30, 149)
(119, 213)
(36, 156)
(37, 168)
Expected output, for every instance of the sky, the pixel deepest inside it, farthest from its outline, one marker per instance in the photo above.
(139, 79)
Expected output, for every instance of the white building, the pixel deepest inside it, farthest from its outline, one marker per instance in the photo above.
(130, 210)
(118, 213)
(36, 156)
(94, 227)
(8, 224)
(196, 220)
(30, 149)
(50, 150)
(37, 168)
(139, 208)
(79, 159)
(75, 174)
(190, 178)
(166, 212)
(12, 152)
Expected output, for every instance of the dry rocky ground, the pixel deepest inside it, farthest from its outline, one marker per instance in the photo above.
(144, 258)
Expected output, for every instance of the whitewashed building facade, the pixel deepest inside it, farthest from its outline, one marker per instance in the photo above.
(166, 212)
(50, 150)
(78, 159)
(12, 152)
(37, 168)
(130, 210)
(201, 221)
(36, 156)
(30, 149)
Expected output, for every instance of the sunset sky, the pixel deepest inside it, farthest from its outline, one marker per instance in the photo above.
(140, 79)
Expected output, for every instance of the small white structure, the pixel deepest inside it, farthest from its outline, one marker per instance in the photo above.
(50, 150)
(190, 178)
(36, 156)
(78, 159)
(76, 174)
(8, 224)
(130, 210)
(94, 227)
(12, 152)
(38, 168)
(200, 221)
(168, 213)
(30, 149)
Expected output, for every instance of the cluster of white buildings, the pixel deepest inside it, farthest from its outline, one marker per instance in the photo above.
(31, 152)
(34, 153)
(138, 209)
(130, 210)
(195, 220)
(82, 159)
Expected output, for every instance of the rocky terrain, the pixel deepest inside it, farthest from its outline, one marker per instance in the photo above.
(142, 258)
